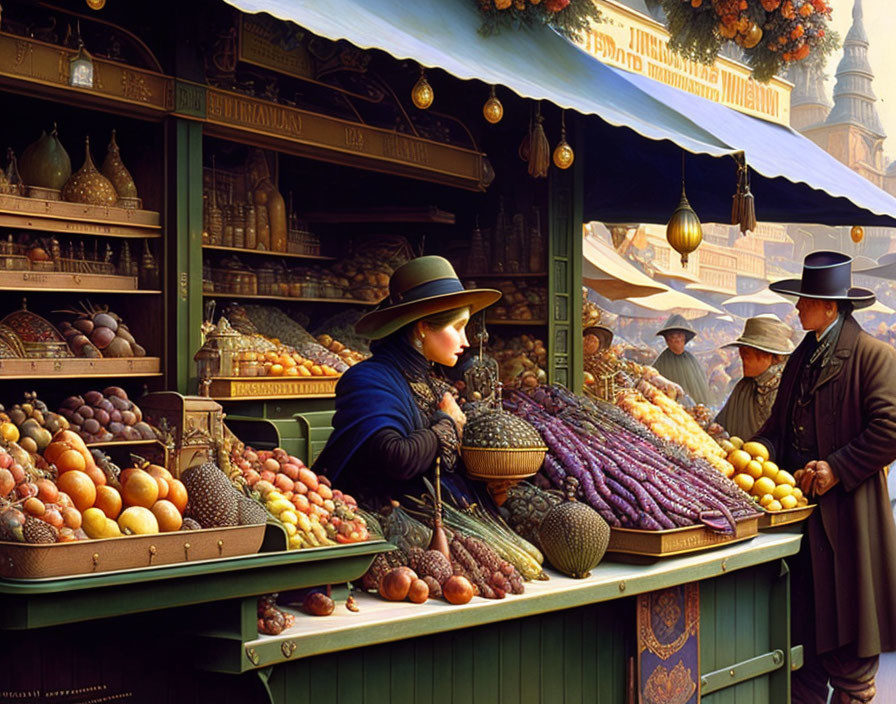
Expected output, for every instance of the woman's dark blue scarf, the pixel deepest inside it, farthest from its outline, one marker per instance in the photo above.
(371, 396)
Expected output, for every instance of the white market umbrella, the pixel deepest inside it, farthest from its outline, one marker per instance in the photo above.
(764, 301)
(606, 272)
(666, 303)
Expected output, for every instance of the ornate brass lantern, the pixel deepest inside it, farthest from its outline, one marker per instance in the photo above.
(683, 230)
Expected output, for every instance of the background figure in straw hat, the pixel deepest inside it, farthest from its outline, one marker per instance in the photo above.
(394, 413)
(764, 347)
(677, 364)
(834, 421)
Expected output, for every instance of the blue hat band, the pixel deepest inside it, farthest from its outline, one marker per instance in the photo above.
(439, 287)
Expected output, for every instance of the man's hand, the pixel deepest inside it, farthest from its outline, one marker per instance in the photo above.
(824, 477)
(817, 477)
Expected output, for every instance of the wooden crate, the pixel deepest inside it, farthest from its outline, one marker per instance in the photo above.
(255, 388)
(23, 561)
(677, 541)
(787, 516)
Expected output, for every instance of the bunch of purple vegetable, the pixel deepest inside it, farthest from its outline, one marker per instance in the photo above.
(625, 473)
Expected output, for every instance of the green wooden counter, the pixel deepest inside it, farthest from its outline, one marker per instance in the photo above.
(564, 640)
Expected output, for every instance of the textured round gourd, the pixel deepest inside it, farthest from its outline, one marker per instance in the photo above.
(45, 163)
(574, 538)
(500, 429)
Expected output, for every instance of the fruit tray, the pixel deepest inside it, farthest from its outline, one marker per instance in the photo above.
(23, 561)
(267, 387)
(677, 541)
(773, 519)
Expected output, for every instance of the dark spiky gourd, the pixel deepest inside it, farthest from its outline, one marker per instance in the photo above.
(573, 538)
(213, 500)
(500, 429)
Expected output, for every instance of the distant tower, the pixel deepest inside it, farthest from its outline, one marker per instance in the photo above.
(809, 104)
(852, 131)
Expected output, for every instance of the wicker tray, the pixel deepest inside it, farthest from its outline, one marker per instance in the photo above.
(248, 387)
(677, 541)
(502, 463)
(773, 519)
(22, 561)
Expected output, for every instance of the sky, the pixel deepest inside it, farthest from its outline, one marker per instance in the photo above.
(880, 25)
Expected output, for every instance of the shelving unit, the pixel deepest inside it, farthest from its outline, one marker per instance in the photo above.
(266, 253)
(79, 367)
(78, 219)
(261, 297)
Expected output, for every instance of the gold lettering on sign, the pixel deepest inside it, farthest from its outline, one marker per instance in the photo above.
(398, 147)
(354, 138)
(133, 86)
(252, 113)
(635, 43)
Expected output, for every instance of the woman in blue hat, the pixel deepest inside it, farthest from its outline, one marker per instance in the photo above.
(834, 421)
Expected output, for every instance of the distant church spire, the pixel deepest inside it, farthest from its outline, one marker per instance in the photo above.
(854, 98)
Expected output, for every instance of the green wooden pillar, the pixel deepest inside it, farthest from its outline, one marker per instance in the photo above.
(184, 251)
(565, 270)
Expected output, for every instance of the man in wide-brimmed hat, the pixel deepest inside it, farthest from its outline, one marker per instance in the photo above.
(764, 347)
(834, 421)
(677, 364)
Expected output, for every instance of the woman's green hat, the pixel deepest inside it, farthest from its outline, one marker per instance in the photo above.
(677, 323)
(420, 288)
(766, 333)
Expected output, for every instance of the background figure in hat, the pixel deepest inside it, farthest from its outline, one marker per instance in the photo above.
(596, 338)
(677, 364)
(764, 347)
(834, 421)
(394, 413)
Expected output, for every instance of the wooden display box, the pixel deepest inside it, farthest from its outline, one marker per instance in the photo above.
(787, 516)
(65, 280)
(196, 424)
(81, 367)
(677, 541)
(23, 561)
(77, 218)
(254, 388)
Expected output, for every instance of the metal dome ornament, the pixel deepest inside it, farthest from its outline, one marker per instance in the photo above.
(683, 231)
(422, 93)
(492, 110)
(563, 153)
(857, 233)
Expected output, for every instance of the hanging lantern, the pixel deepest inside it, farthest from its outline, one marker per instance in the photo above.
(563, 153)
(753, 36)
(422, 93)
(493, 111)
(80, 71)
(857, 233)
(683, 231)
(96, 4)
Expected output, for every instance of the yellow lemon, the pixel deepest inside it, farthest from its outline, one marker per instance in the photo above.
(774, 506)
(785, 477)
(802, 502)
(756, 449)
(740, 460)
(744, 481)
(797, 493)
(93, 521)
(290, 529)
(736, 441)
(766, 500)
(770, 470)
(763, 485)
(782, 490)
(788, 501)
(727, 446)
(754, 469)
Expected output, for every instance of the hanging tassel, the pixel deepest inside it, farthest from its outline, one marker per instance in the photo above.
(539, 148)
(743, 206)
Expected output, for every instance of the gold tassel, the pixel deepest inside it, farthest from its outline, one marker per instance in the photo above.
(743, 205)
(539, 148)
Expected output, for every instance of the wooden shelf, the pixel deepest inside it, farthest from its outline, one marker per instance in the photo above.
(516, 322)
(259, 297)
(526, 275)
(121, 443)
(79, 367)
(424, 214)
(264, 253)
(77, 219)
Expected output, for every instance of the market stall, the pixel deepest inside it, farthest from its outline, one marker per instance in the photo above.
(261, 183)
